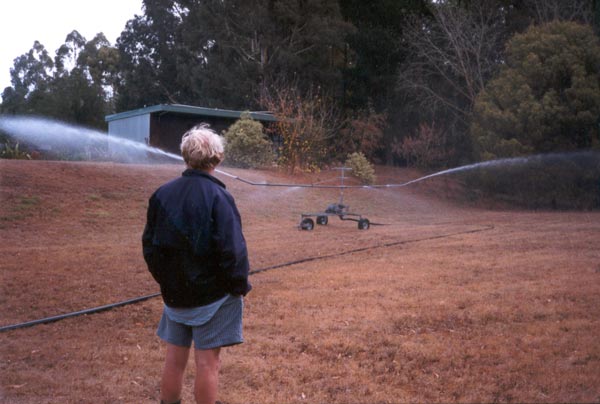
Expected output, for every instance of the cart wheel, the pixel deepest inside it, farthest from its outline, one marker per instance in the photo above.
(322, 220)
(363, 224)
(307, 224)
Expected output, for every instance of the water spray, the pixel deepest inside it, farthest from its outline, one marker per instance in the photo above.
(51, 134)
(45, 132)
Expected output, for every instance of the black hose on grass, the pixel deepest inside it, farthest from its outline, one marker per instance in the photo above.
(77, 313)
(256, 271)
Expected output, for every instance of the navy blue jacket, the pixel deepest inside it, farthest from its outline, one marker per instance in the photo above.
(193, 242)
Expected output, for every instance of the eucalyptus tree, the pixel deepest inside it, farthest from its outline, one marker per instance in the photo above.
(76, 86)
(375, 49)
(236, 47)
(30, 80)
(148, 58)
(67, 54)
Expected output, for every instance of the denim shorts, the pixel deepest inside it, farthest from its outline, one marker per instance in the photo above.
(223, 329)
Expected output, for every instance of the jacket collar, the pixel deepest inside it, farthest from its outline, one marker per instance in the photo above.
(190, 172)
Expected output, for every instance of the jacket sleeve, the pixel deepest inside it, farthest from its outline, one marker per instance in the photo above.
(148, 248)
(231, 245)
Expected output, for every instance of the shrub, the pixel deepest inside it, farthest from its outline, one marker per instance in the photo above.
(247, 146)
(426, 148)
(305, 123)
(363, 132)
(361, 168)
(7, 151)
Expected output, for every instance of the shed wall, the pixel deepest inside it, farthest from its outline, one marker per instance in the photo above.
(163, 129)
(166, 130)
(136, 128)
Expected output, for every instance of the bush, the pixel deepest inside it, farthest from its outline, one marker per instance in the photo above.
(247, 146)
(425, 149)
(363, 132)
(361, 168)
(305, 122)
(8, 151)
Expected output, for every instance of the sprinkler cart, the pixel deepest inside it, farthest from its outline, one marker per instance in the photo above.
(335, 209)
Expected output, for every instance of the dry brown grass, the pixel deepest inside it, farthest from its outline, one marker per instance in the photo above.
(462, 305)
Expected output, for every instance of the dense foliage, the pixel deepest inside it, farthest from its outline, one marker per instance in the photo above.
(546, 97)
(247, 146)
(361, 168)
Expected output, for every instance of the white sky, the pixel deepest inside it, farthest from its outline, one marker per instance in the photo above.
(50, 21)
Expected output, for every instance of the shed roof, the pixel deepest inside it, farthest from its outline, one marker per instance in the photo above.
(190, 110)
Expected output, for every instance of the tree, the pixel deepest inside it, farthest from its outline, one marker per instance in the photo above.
(221, 53)
(452, 56)
(148, 56)
(67, 56)
(545, 11)
(79, 90)
(30, 78)
(100, 62)
(453, 53)
(546, 97)
(236, 48)
(376, 49)
(219, 46)
(75, 87)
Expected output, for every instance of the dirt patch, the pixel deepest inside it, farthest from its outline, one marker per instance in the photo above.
(443, 303)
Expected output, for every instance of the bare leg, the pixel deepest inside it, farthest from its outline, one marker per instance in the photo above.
(206, 386)
(172, 379)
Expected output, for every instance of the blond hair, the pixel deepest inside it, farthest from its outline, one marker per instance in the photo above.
(202, 148)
